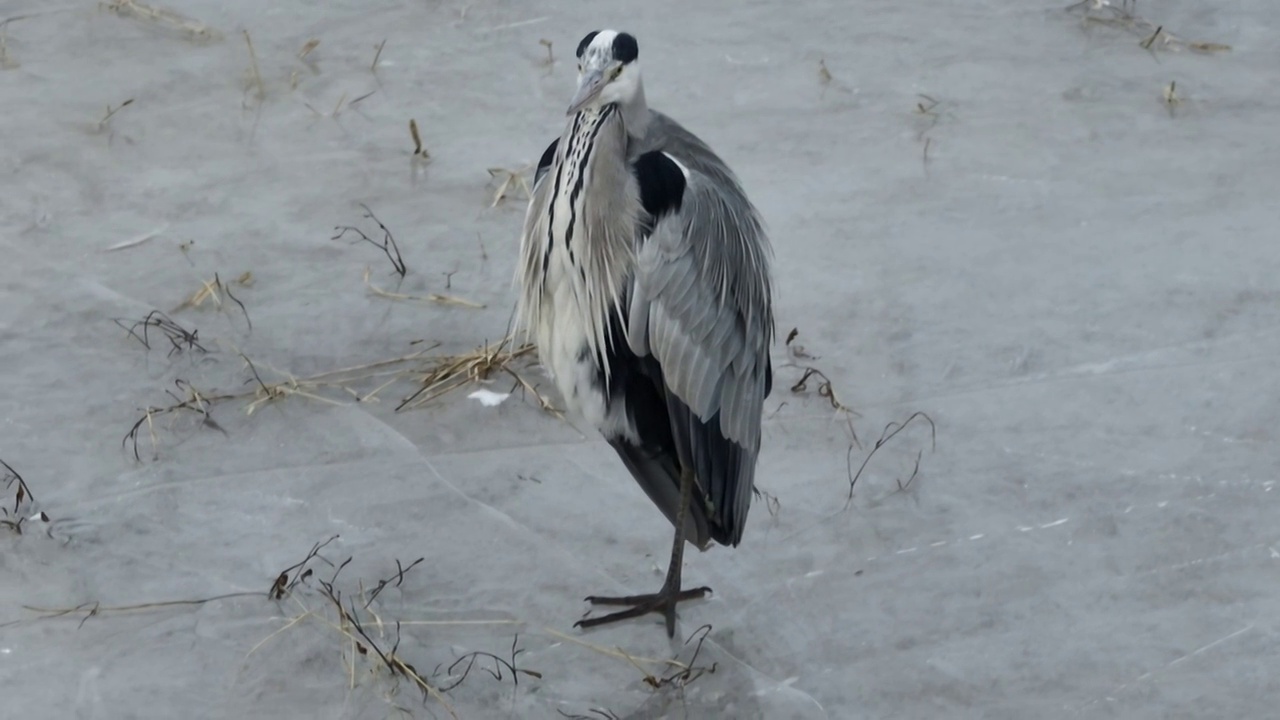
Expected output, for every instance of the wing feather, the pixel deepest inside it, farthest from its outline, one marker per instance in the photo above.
(704, 314)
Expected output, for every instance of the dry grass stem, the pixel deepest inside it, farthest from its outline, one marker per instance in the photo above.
(94, 609)
(377, 53)
(551, 58)
(256, 77)
(165, 19)
(1171, 97)
(419, 150)
(596, 714)
(306, 49)
(1121, 14)
(338, 107)
(450, 373)
(136, 241)
(7, 62)
(511, 180)
(214, 290)
(102, 124)
(1146, 44)
(437, 376)
(356, 640)
(436, 298)
(191, 401)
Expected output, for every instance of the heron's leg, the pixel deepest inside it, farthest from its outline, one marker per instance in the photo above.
(664, 601)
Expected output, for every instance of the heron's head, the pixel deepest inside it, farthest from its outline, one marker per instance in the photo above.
(608, 71)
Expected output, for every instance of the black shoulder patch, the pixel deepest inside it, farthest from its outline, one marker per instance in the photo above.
(544, 164)
(661, 182)
(582, 46)
(625, 48)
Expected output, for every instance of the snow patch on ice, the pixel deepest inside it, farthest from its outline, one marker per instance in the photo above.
(489, 398)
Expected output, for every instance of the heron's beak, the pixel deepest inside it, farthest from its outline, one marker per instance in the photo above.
(589, 88)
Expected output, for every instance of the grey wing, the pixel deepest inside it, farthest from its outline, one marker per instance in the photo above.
(701, 306)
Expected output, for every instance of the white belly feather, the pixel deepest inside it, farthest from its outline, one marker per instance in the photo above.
(562, 344)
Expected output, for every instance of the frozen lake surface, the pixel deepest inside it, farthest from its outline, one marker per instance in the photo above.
(1056, 242)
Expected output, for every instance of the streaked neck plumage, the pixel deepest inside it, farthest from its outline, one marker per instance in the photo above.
(585, 225)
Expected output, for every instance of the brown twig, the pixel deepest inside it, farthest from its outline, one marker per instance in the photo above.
(496, 671)
(797, 350)
(398, 578)
(193, 402)
(890, 431)
(824, 388)
(23, 491)
(179, 337)
(21, 496)
(772, 503)
(351, 626)
(691, 671)
(284, 584)
(419, 150)
(111, 113)
(388, 244)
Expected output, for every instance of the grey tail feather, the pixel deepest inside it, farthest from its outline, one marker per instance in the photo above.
(659, 477)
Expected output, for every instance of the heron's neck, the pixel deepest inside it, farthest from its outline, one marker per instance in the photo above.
(635, 114)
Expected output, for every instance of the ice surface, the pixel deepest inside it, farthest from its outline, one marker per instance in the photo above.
(1079, 283)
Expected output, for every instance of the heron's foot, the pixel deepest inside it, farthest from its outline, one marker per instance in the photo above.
(664, 601)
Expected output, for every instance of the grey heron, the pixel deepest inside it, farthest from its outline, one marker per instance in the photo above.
(644, 279)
